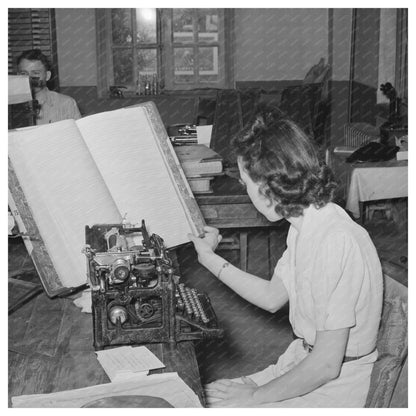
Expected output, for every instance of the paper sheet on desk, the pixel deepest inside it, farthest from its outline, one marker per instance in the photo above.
(123, 362)
(84, 301)
(168, 386)
(203, 134)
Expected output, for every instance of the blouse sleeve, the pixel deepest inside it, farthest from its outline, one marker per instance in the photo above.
(282, 270)
(336, 292)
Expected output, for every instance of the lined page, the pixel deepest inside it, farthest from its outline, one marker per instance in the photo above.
(125, 150)
(64, 190)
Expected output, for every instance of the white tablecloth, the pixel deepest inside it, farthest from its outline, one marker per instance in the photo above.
(374, 183)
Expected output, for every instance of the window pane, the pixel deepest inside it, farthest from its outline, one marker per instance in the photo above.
(184, 64)
(207, 25)
(146, 25)
(182, 26)
(123, 66)
(121, 26)
(208, 64)
(146, 61)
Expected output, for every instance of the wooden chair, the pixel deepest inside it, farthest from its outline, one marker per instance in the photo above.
(392, 345)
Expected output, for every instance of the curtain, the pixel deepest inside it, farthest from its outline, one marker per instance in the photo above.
(401, 54)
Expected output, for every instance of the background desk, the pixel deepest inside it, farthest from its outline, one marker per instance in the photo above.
(50, 349)
(376, 181)
(370, 181)
(229, 206)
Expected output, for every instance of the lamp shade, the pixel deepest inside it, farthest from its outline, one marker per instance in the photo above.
(19, 89)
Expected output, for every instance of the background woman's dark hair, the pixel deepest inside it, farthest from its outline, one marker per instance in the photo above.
(279, 156)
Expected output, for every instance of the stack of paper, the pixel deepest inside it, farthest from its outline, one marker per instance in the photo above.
(124, 362)
(203, 134)
(167, 386)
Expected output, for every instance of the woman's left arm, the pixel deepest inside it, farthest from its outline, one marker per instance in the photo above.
(322, 365)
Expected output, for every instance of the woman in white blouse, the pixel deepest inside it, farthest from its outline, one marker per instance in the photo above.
(330, 274)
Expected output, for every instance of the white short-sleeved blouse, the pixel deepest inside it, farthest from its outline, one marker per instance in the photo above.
(333, 277)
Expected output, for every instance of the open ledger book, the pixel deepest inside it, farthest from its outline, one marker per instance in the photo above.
(101, 169)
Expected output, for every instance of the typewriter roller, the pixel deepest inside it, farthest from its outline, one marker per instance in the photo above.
(136, 296)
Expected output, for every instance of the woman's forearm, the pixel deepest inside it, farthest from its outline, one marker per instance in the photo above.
(323, 364)
(255, 290)
(306, 377)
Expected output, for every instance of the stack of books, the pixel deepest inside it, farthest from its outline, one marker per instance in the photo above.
(200, 165)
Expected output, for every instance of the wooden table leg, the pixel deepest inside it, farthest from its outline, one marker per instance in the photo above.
(362, 213)
(243, 250)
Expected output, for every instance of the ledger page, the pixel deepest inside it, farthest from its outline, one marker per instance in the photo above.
(125, 150)
(64, 190)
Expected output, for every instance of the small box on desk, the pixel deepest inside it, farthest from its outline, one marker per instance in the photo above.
(402, 143)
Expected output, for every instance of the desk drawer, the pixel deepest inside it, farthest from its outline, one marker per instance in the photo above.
(233, 215)
(229, 211)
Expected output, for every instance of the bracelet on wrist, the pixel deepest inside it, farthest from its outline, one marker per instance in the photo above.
(226, 264)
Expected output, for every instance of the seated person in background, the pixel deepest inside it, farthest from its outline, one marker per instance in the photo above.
(330, 274)
(53, 106)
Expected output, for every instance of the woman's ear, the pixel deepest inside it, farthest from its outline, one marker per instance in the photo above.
(48, 75)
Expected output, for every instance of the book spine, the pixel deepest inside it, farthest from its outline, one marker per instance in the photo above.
(208, 168)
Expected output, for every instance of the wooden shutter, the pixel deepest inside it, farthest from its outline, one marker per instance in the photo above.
(33, 29)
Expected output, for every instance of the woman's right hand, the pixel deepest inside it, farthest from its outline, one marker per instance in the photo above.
(208, 243)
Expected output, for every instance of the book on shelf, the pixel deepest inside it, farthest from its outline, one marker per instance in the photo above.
(199, 159)
(108, 168)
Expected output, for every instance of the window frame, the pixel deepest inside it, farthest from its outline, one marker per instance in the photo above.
(165, 58)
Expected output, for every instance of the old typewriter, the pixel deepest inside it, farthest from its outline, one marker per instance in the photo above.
(136, 295)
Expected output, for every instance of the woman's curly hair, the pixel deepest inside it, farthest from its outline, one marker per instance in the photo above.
(280, 157)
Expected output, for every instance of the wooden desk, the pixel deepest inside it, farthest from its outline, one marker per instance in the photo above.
(376, 181)
(51, 349)
(229, 206)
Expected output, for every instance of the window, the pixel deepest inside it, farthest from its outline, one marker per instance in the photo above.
(135, 47)
(148, 50)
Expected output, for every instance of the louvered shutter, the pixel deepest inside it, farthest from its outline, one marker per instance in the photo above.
(33, 29)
